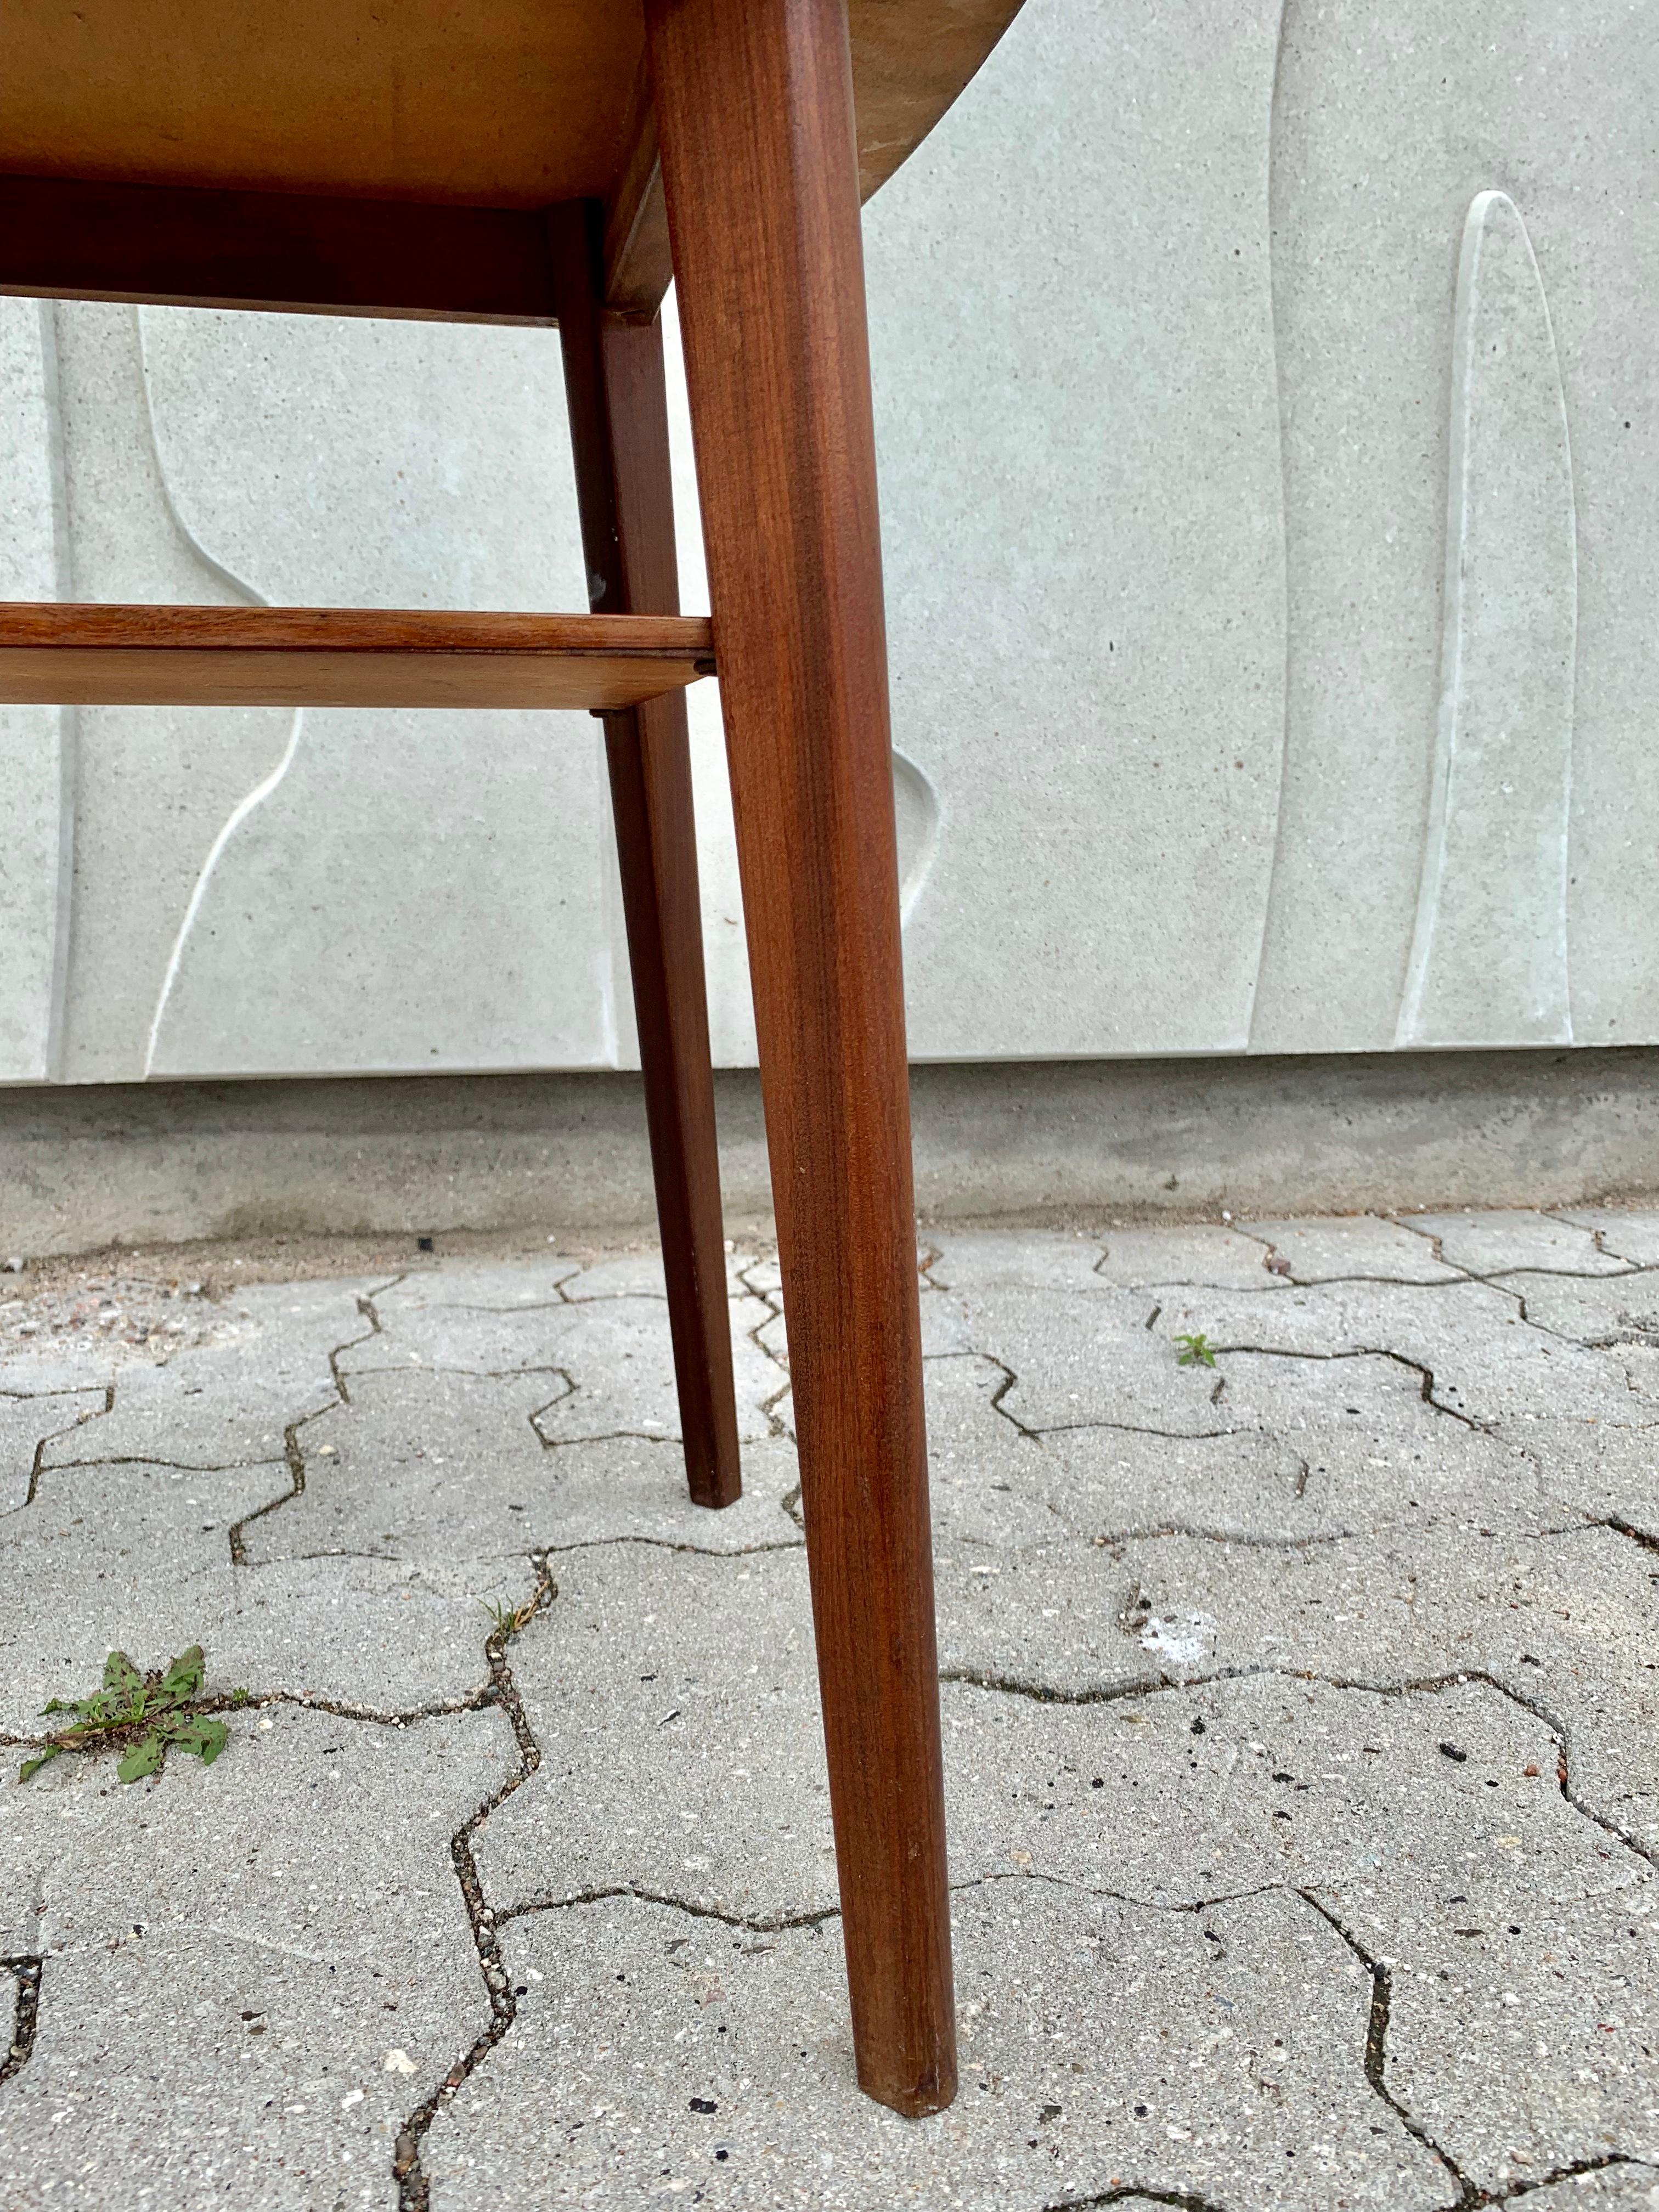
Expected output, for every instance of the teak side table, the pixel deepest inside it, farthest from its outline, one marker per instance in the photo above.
(553, 162)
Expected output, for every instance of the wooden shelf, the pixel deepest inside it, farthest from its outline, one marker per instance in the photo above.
(145, 656)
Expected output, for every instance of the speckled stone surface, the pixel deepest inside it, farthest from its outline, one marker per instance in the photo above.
(1299, 1704)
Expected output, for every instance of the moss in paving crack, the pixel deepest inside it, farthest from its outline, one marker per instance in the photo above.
(147, 1715)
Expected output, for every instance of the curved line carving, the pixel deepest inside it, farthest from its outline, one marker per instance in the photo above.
(69, 718)
(1489, 952)
(916, 815)
(261, 791)
(1274, 892)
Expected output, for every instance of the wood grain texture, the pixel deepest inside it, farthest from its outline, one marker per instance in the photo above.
(638, 266)
(618, 397)
(911, 61)
(62, 237)
(341, 657)
(755, 110)
(487, 108)
(498, 103)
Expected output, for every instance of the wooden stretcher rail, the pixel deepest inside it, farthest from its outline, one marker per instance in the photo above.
(106, 656)
(68, 238)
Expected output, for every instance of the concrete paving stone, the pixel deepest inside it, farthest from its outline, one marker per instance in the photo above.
(1103, 2047)
(428, 1466)
(1485, 1362)
(621, 1364)
(1308, 1786)
(1491, 1243)
(763, 1276)
(1231, 1259)
(1178, 1576)
(639, 1274)
(1622, 2187)
(1053, 1616)
(1335, 1466)
(721, 1739)
(137, 1557)
(531, 1278)
(632, 1490)
(1625, 1232)
(441, 1470)
(989, 1484)
(1319, 1447)
(1248, 1483)
(228, 1401)
(614, 1350)
(1077, 1360)
(675, 1699)
(1361, 1244)
(252, 1971)
(366, 1633)
(972, 1263)
(32, 1372)
(1613, 1311)
(1529, 2043)
(30, 1419)
(1370, 1449)
(1570, 1623)
(1601, 1469)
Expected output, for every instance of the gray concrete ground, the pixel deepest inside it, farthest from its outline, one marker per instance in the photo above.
(1301, 1712)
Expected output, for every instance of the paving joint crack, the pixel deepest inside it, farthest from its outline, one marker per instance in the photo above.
(1365, 1351)
(752, 1923)
(291, 1451)
(24, 1969)
(371, 1313)
(1160, 1684)
(1376, 2054)
(414, 2188)
(38, 1464)
(1136, 2192)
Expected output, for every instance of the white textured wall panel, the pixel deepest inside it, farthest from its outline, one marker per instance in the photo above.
(1268, 419)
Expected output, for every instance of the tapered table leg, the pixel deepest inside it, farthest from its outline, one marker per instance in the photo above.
(619, 435)
(755, 110)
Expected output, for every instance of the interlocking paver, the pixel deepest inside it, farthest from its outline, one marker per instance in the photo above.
(608, 1359)
(675, 1701)
(233, 1956)
(1601, 1469)
(1627, 1233)
(231, 1399)
(1363, 1244)
(1104, 2045)
(1486, 1243)
(30, 1420)
(1300, 1719)
(1470, 1338)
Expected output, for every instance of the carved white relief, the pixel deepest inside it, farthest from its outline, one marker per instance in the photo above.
(1078, 437)
(1201, 747)
(1489, 956)
(37, 744)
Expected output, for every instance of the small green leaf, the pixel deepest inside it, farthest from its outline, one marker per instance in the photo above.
(183, 1678)
(60, 1705)
(121, 1675)
(196, 1733)
(1195, 1351)
(143, 1759)
(33, 1766)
